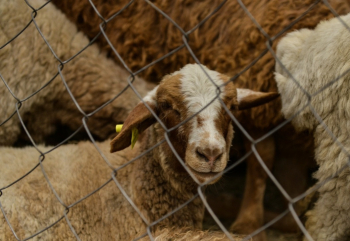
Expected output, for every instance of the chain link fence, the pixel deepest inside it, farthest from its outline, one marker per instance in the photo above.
(186, 35)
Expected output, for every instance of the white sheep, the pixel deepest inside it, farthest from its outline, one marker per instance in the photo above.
(315, 58)
(156, 182)
(27, 64)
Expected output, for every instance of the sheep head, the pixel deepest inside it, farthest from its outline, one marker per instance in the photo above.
(201, 137)
(314, 62)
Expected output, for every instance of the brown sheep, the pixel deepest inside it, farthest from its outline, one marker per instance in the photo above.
(228, 42)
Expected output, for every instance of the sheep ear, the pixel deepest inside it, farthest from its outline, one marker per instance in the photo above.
(141, 118)
(248, 98)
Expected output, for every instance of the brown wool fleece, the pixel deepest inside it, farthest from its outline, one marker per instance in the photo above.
(227, 42)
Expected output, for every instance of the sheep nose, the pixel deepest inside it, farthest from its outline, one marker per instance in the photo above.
(210, 155)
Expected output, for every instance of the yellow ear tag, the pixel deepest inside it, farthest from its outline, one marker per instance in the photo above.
(134, 134)
(118, 128)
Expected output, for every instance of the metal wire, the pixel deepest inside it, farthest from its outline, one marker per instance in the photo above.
(186, 36)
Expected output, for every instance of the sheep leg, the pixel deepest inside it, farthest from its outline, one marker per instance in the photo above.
(251, 214)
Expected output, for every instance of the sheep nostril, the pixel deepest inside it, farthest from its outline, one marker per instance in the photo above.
(209, 155)
(218, 157)
(201, 155)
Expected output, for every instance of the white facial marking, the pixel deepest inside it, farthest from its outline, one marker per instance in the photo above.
(198, 91)
(150, 98)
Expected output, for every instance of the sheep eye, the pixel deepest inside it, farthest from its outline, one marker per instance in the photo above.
(165, 106)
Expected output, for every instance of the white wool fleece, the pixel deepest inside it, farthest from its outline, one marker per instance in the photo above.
(315, 58)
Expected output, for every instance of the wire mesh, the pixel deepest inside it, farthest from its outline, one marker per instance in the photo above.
(186, 35)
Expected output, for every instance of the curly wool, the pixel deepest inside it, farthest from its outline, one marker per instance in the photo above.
(315, 58)
(74, 171)
(27, 64)
(227, 42)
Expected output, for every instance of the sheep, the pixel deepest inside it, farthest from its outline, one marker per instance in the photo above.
(316, 58)
(26, 64)
(229, 41)
(156, 182)
(75, 170)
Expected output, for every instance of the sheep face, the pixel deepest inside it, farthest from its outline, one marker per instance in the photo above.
(201, 135)
(204, 140)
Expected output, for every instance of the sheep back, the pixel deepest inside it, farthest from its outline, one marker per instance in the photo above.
(74, 170)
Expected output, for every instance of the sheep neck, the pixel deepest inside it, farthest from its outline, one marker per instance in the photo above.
(158, 190)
